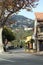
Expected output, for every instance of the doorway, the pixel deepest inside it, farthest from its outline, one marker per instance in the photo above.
(41, 45)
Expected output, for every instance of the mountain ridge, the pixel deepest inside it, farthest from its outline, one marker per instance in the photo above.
(21, 21)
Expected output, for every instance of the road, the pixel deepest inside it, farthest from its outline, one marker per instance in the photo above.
(20, 59)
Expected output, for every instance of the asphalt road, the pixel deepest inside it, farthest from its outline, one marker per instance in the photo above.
(20, 59)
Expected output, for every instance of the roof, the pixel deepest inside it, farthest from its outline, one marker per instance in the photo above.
(39, 16)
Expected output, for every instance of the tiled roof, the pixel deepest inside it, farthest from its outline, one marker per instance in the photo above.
(39, 16)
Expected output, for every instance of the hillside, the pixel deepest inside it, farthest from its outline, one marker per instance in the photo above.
(20, 21)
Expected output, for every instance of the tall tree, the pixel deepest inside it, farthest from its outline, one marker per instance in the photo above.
(8, 7)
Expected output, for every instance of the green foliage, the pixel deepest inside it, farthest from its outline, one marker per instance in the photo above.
(17, 43)
(21, 36)
(7, 33)
(32, 41)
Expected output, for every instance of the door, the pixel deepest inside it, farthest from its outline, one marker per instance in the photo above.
(41, 45)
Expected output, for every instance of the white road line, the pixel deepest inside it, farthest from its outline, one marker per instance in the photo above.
(7, 60)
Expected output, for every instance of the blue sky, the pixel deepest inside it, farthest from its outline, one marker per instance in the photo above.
(31, 15)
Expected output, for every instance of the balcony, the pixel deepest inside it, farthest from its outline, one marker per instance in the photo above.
(40, 36)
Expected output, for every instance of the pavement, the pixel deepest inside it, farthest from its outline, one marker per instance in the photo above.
(10, 52)
(20, 59)
(39, 53)
(14, 51)
(23, 51)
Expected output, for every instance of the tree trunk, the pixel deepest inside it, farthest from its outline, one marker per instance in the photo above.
(1, 43)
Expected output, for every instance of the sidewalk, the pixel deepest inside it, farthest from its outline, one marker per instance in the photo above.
(39, 53)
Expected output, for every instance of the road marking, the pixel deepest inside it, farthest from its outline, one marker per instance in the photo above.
(7, 60)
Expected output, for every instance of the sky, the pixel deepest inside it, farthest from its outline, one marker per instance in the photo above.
(31, 15)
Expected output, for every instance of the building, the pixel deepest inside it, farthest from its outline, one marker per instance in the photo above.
(38, 31)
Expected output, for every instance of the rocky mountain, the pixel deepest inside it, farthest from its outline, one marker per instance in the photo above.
(20, 21)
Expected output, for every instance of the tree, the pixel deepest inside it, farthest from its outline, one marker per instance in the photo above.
(8, 34)
(8, 7)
